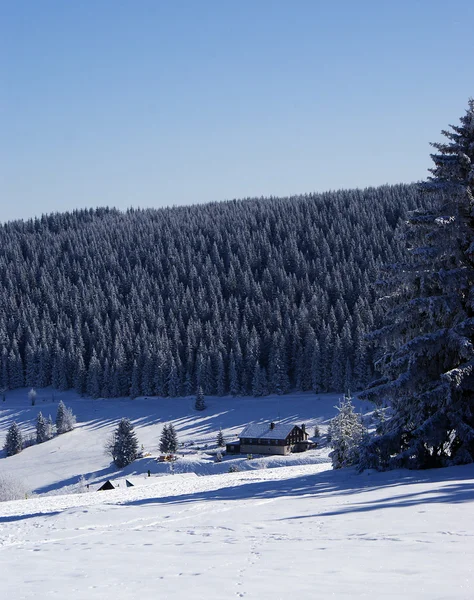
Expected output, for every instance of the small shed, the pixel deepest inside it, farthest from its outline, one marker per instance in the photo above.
(113, 484)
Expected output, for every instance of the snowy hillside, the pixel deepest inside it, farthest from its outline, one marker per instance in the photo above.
(58, 464)
(262, 533)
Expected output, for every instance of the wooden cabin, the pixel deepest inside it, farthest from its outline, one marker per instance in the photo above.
(270, 438)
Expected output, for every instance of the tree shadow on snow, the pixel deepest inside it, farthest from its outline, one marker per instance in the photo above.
(13, 518)
(106, 473)
(344, 483)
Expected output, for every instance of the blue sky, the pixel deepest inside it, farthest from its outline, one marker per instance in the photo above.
(152, 102)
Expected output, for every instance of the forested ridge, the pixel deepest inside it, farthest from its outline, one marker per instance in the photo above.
(245, 297)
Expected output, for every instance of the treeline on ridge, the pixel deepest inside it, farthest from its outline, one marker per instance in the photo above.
(252, 297)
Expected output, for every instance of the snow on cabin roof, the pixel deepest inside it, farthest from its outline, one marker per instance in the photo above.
(264, 431)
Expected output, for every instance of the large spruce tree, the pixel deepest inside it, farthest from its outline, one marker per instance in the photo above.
(428, 355)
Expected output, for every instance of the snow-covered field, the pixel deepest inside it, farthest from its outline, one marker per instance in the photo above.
(300, 530)
(57, 465)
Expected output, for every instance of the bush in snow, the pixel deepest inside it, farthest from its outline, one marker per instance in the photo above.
(317, 432)
(234, 469)
(82, 485)
(11, 489)
(346, 432)
(13, 441)
(65, 419)
(123, 445)
(168, 440)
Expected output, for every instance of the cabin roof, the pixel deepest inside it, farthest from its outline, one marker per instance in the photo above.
(263, 431)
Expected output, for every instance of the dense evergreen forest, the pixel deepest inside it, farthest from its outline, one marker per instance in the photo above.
(244, 297)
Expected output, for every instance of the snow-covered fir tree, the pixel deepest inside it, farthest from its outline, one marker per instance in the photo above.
(164, 440)
(220, 439)
(65, 419)
(50, 427)
(346, 432)
(200, 403)
(13, 441)
(60, 417)
(42, 429)
(426, 346)
(173, 438)
(123, 446)
(168, 439)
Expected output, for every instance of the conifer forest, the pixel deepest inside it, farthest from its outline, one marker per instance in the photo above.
(247, 297)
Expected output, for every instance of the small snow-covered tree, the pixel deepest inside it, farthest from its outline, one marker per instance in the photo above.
(173, 438)
(220, 439)
(60, 417)
(426, 350)
(50, 427)
(346, 433)
(32, 396)
(168, 439)
(200, 403)
(123, 445)
(164, 439)
(69, 419)
(65, 419)
(13, 441)
(41, 429)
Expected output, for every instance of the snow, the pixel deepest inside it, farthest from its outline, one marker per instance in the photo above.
(57, 465)
(266, 431)
(300, 530)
